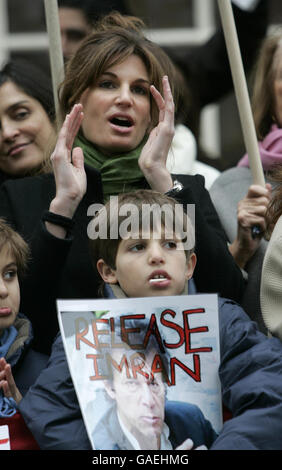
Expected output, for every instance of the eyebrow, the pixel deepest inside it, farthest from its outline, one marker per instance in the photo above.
(141, 80)
(17, 104)
(10, 265)
(75, 30)
(163, 237)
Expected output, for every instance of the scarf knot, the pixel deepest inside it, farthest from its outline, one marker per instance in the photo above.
(120, 173)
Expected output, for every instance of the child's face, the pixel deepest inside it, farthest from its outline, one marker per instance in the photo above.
(150, 267)
(9, 289)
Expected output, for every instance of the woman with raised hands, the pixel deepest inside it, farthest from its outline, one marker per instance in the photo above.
(117, 106)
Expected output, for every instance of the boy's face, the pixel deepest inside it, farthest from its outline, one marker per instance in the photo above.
(9, 289)
(150, 267)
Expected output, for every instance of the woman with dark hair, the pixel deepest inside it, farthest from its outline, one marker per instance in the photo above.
(119, 119)
(26, 119)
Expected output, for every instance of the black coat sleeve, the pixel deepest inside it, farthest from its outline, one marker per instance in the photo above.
(216, 270)
(59, 268)
(48, 255)
(50, 408)
(250, 375)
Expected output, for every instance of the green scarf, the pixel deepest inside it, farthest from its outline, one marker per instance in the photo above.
(120, 173)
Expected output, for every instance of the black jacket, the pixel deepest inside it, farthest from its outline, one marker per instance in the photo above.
(62, 268)
(26, 363)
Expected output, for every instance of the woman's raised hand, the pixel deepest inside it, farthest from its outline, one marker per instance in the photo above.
(152, 160)
(69, 172)
(68, 166)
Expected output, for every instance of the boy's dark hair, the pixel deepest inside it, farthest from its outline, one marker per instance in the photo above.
(106, 248)
(18, 247)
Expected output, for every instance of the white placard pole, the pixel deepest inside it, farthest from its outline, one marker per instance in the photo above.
(55, 48)
(241, 91)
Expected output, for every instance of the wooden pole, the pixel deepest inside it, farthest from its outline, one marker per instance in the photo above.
(241, 91)
(55, 49)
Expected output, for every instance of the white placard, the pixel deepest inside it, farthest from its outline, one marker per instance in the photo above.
(4, 438)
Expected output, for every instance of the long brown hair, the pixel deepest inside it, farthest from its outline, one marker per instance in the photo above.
(115, 37)
(263, 103)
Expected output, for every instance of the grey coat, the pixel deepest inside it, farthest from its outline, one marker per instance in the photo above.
(228, 189)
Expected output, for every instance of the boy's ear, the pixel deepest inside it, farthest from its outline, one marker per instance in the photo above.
(191, 263)
(106, 272)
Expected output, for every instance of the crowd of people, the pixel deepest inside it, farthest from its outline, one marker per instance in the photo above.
(130, 113)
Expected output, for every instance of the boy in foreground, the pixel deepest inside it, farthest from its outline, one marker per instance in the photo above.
(157, 263)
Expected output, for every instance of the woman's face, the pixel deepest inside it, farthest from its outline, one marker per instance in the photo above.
(24, 131)
(117, 109)
(277, 85)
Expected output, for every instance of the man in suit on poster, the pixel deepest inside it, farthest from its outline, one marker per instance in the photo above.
(139, 416)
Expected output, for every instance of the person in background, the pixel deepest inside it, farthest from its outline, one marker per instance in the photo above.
(271, 277)
(27, 119)
(204, 70)
(240, 204)
(77, 17)
(19, 363)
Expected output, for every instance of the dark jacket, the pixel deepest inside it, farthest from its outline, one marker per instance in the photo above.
(250, 374)
(184, 420)
(61, 268)
(25, 362)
